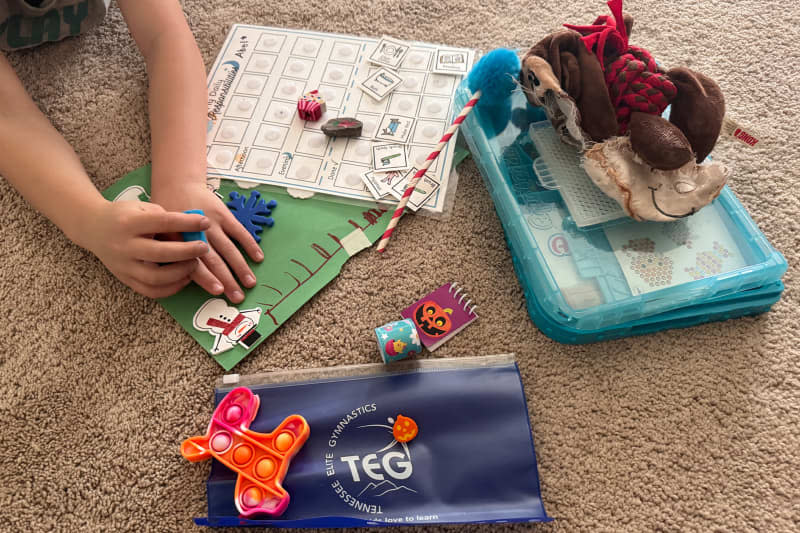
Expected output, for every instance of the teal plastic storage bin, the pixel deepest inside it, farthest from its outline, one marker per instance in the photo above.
(621, 277)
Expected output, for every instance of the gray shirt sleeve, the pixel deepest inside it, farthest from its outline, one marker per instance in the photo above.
(23, 25)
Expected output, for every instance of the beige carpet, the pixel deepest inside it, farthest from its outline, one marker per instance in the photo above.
(690, 430)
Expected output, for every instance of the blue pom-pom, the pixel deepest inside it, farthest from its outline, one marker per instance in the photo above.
(495, 75)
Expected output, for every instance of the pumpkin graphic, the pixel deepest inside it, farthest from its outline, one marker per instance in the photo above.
(404, 429)
(432, 319)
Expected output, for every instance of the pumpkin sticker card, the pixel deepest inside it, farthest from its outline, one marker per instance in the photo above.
(441, 314)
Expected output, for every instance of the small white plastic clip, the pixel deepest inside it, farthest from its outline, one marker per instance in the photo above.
(229, 379)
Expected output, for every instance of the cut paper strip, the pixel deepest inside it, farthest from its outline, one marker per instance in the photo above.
(355, 242)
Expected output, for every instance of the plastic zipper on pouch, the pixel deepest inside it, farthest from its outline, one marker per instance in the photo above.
(345, 372)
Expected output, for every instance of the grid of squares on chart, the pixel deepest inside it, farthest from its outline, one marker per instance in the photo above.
(226, 148)
(422, 94)
(260, 125)
(349, 177)
(273, 126)
(310, 148)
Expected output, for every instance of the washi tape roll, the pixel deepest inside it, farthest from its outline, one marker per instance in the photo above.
(398, 340)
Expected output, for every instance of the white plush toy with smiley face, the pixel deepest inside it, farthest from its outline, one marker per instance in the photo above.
(647, 193)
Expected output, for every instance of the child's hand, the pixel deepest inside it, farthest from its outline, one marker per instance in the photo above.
(214, 273)
(121, 236)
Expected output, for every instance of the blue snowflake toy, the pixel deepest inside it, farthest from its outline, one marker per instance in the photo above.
(252, 212)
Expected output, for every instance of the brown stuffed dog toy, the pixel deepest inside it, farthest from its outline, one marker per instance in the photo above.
(606, 97)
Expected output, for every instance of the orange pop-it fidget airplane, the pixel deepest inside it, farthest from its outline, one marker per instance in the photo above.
(260, 459)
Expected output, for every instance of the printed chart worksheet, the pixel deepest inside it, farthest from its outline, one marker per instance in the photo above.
(255, 133)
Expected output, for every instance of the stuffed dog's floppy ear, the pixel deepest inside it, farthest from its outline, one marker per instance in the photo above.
(560, 50)
(697, 110)
(579, 74)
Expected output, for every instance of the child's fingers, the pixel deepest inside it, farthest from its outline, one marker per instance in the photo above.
(236, 231)
(208, 281)
(159, 221)
(220, 270)
(225, 247)
(156, 291)
(156, 251)
(155, 275)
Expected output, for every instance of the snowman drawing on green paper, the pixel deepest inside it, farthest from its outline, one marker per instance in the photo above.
(227, 325)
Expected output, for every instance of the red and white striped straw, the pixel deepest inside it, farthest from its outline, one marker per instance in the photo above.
(412, 183)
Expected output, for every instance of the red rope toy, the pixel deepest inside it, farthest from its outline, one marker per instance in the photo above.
(634, 80)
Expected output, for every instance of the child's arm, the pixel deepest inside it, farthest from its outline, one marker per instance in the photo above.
(178, 108)
(40, 164)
